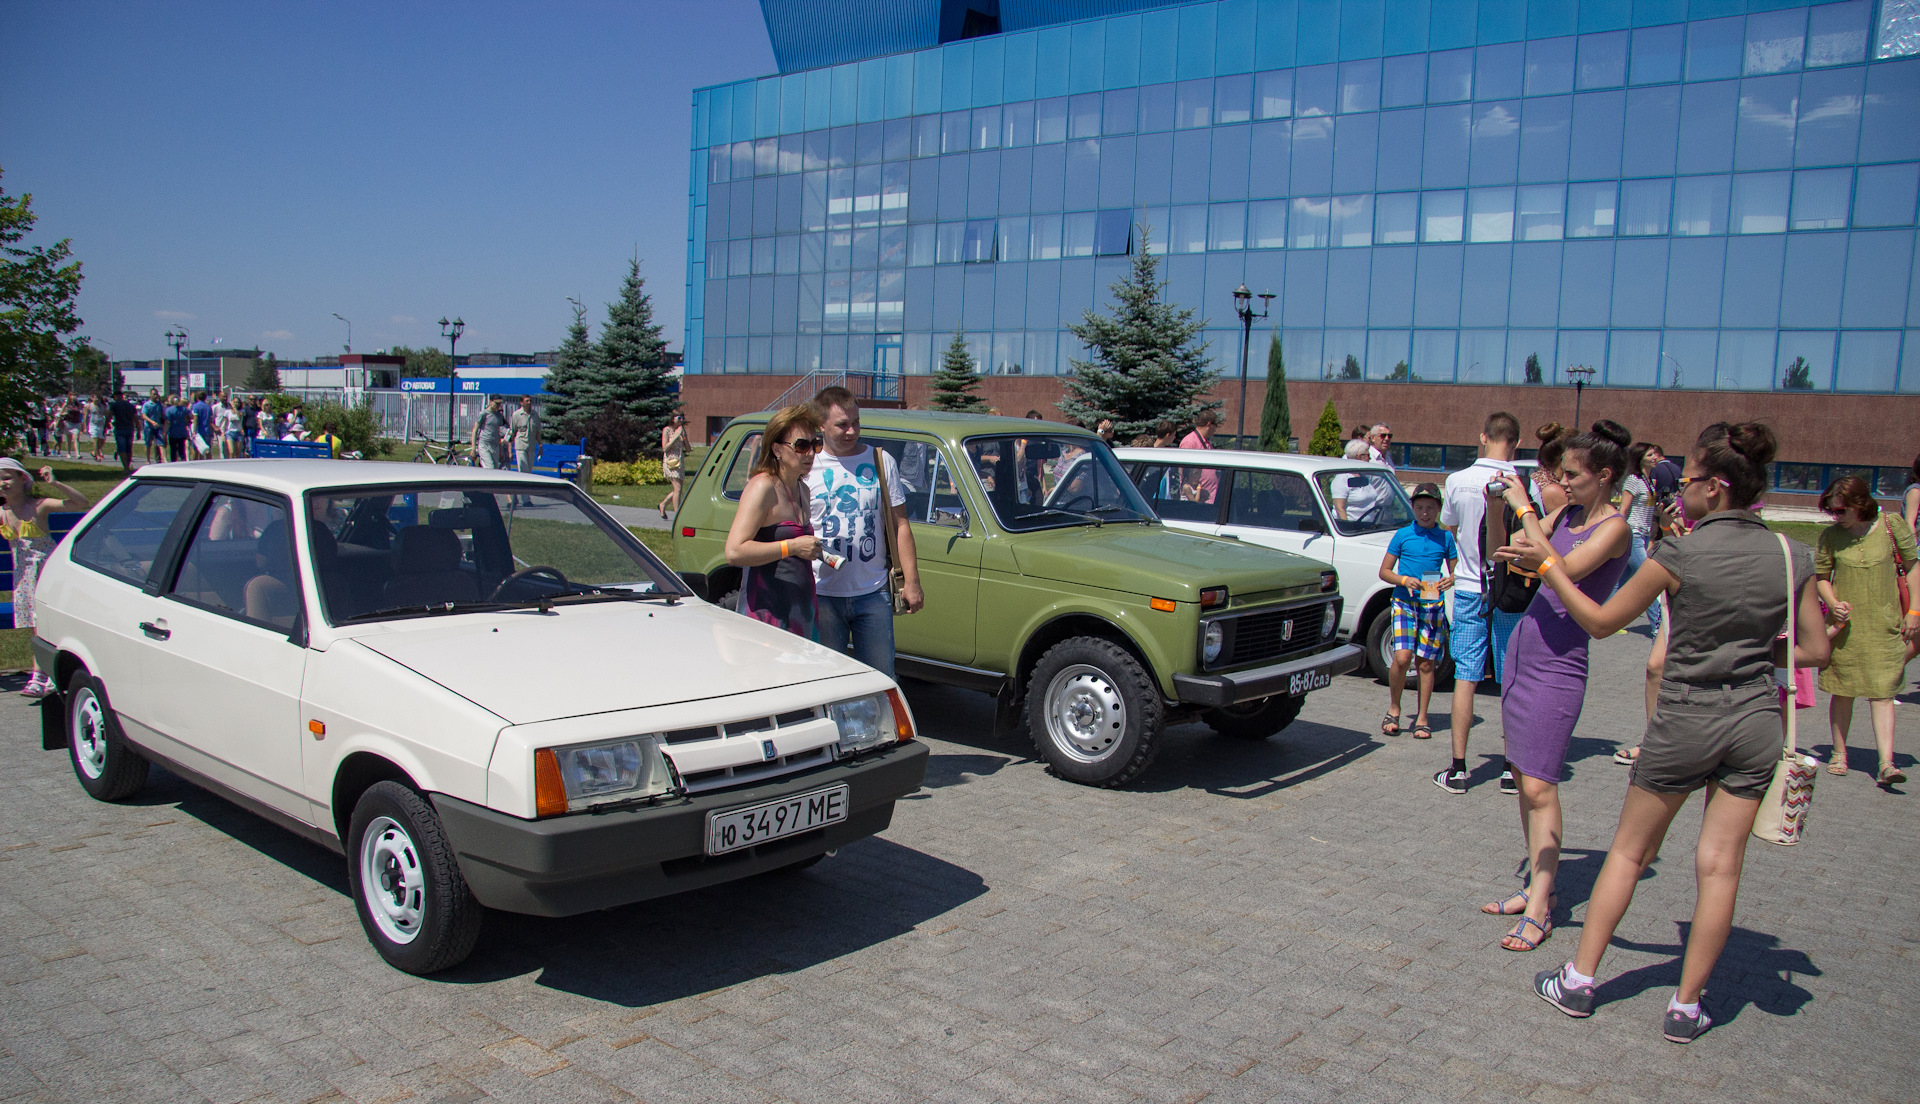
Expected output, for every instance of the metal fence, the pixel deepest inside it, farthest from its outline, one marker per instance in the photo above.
(402, 415)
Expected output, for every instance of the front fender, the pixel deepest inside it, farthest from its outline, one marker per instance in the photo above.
(1015, 610)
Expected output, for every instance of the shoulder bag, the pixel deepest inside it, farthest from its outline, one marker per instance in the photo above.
(1783, 811)
(896, 575)
(1900, 578)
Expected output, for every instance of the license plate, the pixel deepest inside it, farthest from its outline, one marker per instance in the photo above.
(737, 828)
(1316, 679)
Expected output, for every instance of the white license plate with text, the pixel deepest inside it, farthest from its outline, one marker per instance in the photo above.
(1317, 679)
(737, 828)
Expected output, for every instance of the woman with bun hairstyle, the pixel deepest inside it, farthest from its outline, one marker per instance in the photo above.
(1546, 491)
(1546, 670)
(1854, 568)
(1718, 722)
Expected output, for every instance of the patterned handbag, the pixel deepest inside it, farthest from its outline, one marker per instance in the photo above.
(1783, 812)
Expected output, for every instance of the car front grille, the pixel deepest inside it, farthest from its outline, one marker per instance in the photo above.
(746, 730)
(1267, 635)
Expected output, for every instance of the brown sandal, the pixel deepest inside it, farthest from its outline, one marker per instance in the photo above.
(1390, 725)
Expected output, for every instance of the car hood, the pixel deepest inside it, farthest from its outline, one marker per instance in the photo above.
(1159, 562)
(528, 667)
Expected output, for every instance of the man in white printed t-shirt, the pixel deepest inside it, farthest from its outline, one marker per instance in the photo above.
(853, 610)
(1478, 643)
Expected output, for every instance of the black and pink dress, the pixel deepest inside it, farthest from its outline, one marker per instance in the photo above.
(781, 593)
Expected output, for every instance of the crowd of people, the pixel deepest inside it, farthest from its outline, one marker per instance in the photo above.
(202, 425)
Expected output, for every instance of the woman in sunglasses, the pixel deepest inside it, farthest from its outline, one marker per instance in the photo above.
(771, 536)
(1855, 565)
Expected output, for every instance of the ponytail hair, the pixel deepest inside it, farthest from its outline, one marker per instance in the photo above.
(1738, 454)
(1605, 446)
(1553, 445)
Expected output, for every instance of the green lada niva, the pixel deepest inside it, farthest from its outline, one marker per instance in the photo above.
(1050, 583)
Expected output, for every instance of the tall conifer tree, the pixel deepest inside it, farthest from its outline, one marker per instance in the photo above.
(630, 369)
(957, 383)
(564, 408)
(1276, 418)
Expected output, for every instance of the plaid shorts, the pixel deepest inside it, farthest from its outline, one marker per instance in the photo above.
(1418, 627)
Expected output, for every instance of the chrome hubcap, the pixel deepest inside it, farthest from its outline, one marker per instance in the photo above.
(1086, 716)
(90, 734)
(391, 880)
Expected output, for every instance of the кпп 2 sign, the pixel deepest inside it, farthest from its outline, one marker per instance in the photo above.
(737, 828)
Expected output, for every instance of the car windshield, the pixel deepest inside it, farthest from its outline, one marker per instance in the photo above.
(389, 552)
(1046, 480)
(1365, 500)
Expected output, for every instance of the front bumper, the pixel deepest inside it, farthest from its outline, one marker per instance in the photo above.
(1289, 679)
(586, 861)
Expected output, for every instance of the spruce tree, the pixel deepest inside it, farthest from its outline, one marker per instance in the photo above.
(564, 407)
(1326, 435)
(264, 375)
(1276, 419)
(1148, 363)
(955, 385)
(630, 370)
(1533, 368)
(1799, 376)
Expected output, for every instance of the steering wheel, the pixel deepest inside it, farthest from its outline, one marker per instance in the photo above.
(540, 570)
(1069, 503)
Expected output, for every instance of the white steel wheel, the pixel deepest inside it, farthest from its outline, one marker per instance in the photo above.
(1085, 712)
(1094, 712)
(392, 881)
(105, 765)
(88, 726)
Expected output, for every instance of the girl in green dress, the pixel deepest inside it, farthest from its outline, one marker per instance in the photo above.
(1857, 579)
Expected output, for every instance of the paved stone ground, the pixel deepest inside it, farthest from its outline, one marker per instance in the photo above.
(1293, 920)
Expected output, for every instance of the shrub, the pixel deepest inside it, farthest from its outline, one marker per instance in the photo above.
(612, 435)
(639, 473)
(358, 429)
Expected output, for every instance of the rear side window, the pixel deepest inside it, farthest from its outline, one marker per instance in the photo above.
(742, 468)
(124, 541)
(240, 562)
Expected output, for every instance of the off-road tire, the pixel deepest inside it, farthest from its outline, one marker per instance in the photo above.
(1255, 720)
(106, 765)
(411, 844)
(1094, 712)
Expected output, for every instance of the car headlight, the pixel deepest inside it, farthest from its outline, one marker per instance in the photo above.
(1329, 620)
(869, 722)
(1212, 639)
(567, 779)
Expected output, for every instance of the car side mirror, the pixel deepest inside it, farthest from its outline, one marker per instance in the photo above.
(953, 516)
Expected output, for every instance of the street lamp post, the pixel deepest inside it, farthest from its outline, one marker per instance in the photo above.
(349, 323)
(451, 331)
(176, 337)
(1243, 306)
(1580, 374)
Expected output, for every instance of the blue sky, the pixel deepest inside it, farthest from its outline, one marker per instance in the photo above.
(247, 169)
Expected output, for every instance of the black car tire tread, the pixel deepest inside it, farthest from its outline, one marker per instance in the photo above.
(1255, 720)
(452, 916)
(1145, 711)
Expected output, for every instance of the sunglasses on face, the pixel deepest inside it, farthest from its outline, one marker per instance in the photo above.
(805, 445)
(1686, 481)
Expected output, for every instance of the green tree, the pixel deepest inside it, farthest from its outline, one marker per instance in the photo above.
(1148, 363)
(1403, 373)
(424, 361)
(1276, 419)
(631, 370)
(957, 383)
(38, 286)
(1326, 434)
(564, 407)
(1351, 369)
(92, 373)
(1799, 376)
(1533, 368)
(357, 426)
(264, 375)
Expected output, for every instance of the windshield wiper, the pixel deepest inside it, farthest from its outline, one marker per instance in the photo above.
(618, 594)
(1096, 519)
(426, 610)
(1134, 514)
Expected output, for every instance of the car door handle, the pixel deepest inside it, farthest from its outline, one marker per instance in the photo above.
(158, 632)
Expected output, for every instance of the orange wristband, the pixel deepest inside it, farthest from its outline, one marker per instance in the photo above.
(1546, 565)
(783, 550)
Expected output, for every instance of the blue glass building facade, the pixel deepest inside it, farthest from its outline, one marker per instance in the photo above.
(1704, 194)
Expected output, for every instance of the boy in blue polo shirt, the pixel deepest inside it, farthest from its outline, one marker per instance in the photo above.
(1413, 565)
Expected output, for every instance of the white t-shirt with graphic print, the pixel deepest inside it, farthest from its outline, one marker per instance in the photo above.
(843, 501)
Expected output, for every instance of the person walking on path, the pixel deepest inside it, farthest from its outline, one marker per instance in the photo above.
(1546, 675)
(23, 524)
(843, 502)
(1636, 496)
(177, 418)
(202, 432)
(488, 431)
(125, 417)
(1858, 564)
(1474, 626)
(524, 429)
(673, 458)
(153, 422)
(1718, 723)
(771, 537)
(1419, 611)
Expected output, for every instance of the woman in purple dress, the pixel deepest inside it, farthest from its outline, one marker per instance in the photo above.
(1546, 672)
(771, 536)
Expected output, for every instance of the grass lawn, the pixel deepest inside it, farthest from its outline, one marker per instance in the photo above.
(1806, 532)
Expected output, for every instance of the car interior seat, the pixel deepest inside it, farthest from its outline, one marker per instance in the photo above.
(426, 569)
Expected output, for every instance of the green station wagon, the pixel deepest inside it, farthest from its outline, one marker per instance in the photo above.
(1051, 584)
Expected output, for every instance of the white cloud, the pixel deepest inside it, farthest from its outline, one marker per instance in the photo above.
(277, 335)
(401, 320)
(173, 316)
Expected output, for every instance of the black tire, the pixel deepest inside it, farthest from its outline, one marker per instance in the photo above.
(1255, 720)
(1380, 643)
(106, 765)
(418, 912)
(1094, 712)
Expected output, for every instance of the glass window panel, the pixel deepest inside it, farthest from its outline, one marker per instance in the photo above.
(1045, 238)
(1050, 121)
(1496, 142)
(1820, 198)
(1529, 355)
(1656, 54)
(1267, 224)
(1157, 107)
(1603, 61)
(1193, 104)
(870, 143)
(926, 139)
(1746, 361)
(1546, 127)
(1760, 203)
(792, 155)
(1396, 218)
(1188, 231)
(813, 252)
(1309, 223)
(951, 243)
(1541, 213)
(1805, 360)
(866, 249)
(1154, 222)
(1352, 220)
(1233, 99)
(1389, 353)
(1765, 136)
(1403, 80)
(1590, 210)
(762, 256)
(1633, 358)
(1120, 111)
(719, 165)
(898, 145)
(842, 146)
(1775, 41)
(1226, 226)
(1016, 125)
(1885, 195)
(1578, 347)
(1433, 352)
(1490, 215)
(766, 157)
(956, 132)
(1716, 48)
(1113, 233)
(1076, 234)
(1083, 116)
(1449, 133)
(1837, 33)
(1359, 86)
(1910, 368)
(1644, 206)
(1316, 90)
(1869, 360)
(1499, 72)
(977, 245)
(1345, 351)
(716, 259)
(1700, 205)
(1014, 237)
(740, 256)
(1442, 216)
(893, 247)
(742, 160)
(1828, 129)
(1273, 94)
(1550, 66)
(1449, 76)
(986, 129)
(1598, 135)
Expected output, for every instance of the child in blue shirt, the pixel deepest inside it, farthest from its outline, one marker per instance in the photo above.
(1413, 565)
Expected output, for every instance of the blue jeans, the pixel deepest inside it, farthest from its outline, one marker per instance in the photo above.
(1637, 555)
(860, 625)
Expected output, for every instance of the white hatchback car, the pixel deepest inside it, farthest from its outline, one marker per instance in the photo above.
(1340, 512)
(476, 685)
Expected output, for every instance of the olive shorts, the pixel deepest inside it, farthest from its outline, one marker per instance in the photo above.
(1725, 734)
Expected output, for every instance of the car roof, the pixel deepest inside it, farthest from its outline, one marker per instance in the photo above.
(1247, 458)
(943, 423)
(295, 476)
